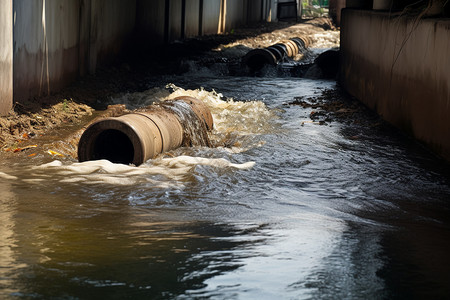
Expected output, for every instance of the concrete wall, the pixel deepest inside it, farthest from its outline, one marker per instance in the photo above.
(236, 14)
(158, 25)
(254, 13)
(192, 18)
(6, 56)
(112, 25)
(162, 20)
(150, 21)
(400, 70)
(46, 44)
(52, 47)
(211, 16)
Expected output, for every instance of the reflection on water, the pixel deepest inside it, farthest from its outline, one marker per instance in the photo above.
(282, 208)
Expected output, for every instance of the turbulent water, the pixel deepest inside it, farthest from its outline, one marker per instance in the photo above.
(282, 208)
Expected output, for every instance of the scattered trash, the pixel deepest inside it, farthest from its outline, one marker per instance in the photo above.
(16, 149)
(24, 148)
(54, 153)
(331, 105)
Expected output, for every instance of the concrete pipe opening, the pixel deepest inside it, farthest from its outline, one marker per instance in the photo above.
(257, 58)
(129, 139)
(114, 146)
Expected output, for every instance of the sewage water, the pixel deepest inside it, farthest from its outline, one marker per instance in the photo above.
(285, 208)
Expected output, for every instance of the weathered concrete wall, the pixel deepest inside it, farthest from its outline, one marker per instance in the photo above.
(6, 57)
(401, 70)
(56, 41)
(52, 46)
(157, 25)
(112, 25)
(236, 14)
(254, 13)
(150, 21)
(211, 16)
(192, 18)
(175, 20)
(162, 20)
(45, 46)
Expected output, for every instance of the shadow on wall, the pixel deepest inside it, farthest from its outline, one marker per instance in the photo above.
(57, 41)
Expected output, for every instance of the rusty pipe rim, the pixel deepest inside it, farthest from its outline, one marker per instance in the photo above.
(306, 41)
(300, 43)
(282, 48)
(200, 109)
(295, 46)
(291, 50)
(276, 52)
(292, 46)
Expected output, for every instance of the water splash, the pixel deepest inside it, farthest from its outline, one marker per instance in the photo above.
(235, 122)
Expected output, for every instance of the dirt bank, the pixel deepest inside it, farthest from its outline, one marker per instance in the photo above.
(29, 123)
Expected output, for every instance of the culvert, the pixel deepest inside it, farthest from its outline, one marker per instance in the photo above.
(256, 59)
(141, 135)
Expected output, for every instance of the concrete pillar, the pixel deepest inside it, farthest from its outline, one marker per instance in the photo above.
(6, 56)
(112, 25)
(192, 18)
(85, 36)
(211, 16)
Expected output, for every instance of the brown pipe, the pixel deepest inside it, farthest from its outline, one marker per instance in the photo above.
(200, 109)
(139, 136)
(255, 59)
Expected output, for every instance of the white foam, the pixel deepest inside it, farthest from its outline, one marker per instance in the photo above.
(174, 171)
(214, 162)
(7, 176)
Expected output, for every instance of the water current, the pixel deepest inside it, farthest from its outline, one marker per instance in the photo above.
(286, 208)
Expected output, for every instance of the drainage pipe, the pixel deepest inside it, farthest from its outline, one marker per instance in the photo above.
(255, 59)
(141, 135)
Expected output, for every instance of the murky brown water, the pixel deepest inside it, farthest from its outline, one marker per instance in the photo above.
(289, 209)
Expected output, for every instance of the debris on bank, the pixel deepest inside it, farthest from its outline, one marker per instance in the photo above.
(332, 105)
(28, 121)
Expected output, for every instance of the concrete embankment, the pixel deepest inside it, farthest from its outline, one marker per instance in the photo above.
(399, 66)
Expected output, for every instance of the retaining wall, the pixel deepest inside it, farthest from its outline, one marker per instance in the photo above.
(55, 41)
(46, 44)
(400, 69)
(167, 21)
